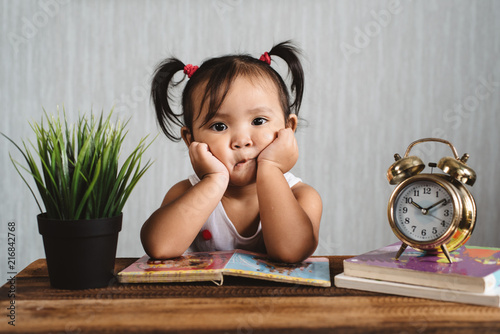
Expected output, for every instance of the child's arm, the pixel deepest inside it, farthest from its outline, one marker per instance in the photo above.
(172, 228)
(290, 216)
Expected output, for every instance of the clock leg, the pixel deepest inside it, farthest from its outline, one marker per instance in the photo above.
(446, 253)
(401, 250)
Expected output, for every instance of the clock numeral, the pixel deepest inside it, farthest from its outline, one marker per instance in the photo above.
(416, 193)
(408, 200)
(446, 213)
(437, 194)
(443, 223)
(424, 232)
(413, 228)
(405, 209)
(407, 220)
(427, 191)
(434, 230)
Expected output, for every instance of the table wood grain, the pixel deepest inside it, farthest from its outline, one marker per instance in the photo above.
(239, 306)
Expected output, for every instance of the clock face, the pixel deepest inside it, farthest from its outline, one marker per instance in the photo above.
(423, 211)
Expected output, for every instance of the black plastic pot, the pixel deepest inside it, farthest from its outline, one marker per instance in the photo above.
(80, 253)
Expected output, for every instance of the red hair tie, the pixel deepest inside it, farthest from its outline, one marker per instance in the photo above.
(190, 69)
(266, 58)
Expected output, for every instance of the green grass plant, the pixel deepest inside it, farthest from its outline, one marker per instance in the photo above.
(78, 175)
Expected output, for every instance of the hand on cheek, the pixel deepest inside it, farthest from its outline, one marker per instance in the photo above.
(282, 153)
(204, 162)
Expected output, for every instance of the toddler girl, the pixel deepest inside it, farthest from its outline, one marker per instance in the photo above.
(238, 120)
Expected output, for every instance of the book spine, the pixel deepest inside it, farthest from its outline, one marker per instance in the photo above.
(347, 282)
(450, 282)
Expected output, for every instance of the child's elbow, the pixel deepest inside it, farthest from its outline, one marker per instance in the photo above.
(287, 256)
(162, 253)
(159, 250)
(292, 254)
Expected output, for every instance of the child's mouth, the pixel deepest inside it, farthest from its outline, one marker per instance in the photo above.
(243, 163)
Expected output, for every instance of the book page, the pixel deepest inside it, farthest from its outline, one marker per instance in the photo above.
(313, 271)
(188, 267)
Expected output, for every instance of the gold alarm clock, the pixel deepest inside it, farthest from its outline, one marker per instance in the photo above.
(431, 212)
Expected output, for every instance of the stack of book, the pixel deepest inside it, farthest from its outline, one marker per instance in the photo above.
(472, 278)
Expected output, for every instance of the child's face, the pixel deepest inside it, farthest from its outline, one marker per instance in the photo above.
(246, 123)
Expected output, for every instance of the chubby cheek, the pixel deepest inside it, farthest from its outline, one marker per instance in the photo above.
(267, 138)
(216, 150)
(219, 148)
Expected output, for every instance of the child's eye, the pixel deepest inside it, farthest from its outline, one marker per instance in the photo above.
(219, 127)
(259, 121)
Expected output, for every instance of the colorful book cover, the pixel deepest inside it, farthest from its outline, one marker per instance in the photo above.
(489, 298)
(187, 268)
(212, 266)
(474, 269)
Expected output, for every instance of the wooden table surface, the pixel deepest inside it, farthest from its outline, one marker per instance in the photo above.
(239, 306)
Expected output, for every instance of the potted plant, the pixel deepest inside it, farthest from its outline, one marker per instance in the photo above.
(83, 189)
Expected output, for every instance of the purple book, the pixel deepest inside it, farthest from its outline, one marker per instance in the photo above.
(474, 269)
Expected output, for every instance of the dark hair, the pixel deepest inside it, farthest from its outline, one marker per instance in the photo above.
(217, 74)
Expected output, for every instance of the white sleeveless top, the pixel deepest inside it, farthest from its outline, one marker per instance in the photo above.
(218, 232)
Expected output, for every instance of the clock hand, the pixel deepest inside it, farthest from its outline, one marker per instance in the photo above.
(436, 204)
(424, 211)
(416, 205)
(435, 217)
(441, 221)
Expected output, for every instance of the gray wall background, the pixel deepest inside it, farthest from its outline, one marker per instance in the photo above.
(379, 75)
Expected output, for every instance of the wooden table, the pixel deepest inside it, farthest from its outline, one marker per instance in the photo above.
(239, 306)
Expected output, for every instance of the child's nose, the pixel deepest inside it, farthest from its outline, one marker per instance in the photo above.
(241, 140)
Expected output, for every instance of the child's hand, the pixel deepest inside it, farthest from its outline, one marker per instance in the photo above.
(204, 162)
(283, 152)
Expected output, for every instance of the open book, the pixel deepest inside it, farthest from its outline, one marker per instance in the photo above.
(213, 266)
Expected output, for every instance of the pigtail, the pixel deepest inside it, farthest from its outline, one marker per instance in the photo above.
(290, 54)
(160, 87)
